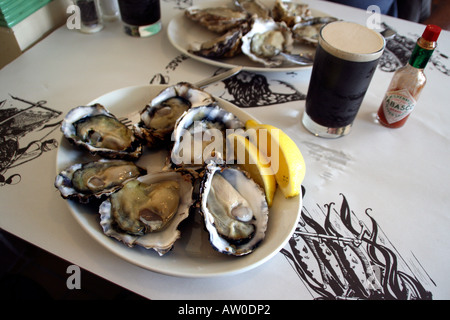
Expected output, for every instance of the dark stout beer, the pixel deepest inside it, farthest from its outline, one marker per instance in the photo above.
(337, 89)
(345, 61)
(140, 12)
(141, 17)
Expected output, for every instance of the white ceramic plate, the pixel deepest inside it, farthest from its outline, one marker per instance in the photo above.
(192, 255)
(183, 32)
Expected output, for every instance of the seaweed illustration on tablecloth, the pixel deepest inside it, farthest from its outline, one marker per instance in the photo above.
(19, 127)
(337, 256)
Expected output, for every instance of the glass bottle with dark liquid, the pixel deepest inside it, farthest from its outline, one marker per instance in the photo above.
(408, 82)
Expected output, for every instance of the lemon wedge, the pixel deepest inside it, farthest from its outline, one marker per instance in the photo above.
(286, 159)
(250, 159)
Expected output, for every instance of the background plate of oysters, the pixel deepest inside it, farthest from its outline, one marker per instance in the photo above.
(198, 32)
(192, 255)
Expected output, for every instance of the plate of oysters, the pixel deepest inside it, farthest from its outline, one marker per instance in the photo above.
(248, 33)
(141, 189)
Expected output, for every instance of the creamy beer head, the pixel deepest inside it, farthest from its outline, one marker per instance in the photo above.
(351, 41)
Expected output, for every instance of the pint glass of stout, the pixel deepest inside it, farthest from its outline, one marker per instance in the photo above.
(346, 59)
(141, 18)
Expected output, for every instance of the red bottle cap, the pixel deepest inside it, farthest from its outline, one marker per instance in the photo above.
(431, 32)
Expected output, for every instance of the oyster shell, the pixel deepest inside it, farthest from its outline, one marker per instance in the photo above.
(265, 40)
(200, 134)
(234, 210)
(159, 116)
(254, 7)
(227, 45)
(93, 180)
(147, 211)
(290, 12)
(217, 19)
(97, 130)
(308, 31)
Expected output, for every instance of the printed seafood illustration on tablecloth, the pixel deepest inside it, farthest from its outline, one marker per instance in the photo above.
(24, 135)
(247, 89)
(337, 256)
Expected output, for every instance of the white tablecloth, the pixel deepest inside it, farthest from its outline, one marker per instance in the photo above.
(395, 182)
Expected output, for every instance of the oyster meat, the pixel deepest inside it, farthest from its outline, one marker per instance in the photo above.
(159, 116)
(147, 211)
(290, 12)
(266, 40)
(217, 19)
(94, 180)
(200, 134)
(96, 129)
(234, 210)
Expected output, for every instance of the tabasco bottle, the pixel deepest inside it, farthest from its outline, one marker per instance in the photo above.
(407, 82)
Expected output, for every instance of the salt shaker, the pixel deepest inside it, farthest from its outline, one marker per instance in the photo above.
(110, 9)
(91, 20)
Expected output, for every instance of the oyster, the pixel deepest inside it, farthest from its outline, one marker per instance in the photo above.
(217, 19)
(147, 211)
(234, 210)
(266, 40)
(308, 30)
(227, 45)
(159, 116)
(97, 130)
(201, 134)
(254, 7)
(290, 12)
(94, 180)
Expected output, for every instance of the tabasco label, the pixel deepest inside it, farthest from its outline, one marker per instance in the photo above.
(397, 105)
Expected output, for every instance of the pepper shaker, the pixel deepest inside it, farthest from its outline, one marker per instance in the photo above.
(91, 20)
